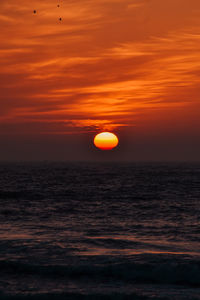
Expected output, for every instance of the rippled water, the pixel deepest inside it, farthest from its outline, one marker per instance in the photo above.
(86, 230)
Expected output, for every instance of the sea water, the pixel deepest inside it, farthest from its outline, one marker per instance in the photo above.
(99, 231)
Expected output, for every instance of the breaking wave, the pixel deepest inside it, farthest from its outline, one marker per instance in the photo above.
(177, 273)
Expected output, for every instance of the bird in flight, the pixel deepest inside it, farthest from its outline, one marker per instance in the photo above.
(58, 5)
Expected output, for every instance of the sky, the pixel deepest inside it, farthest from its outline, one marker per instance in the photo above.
(131, 67)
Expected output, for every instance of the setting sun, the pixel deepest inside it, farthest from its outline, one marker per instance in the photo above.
(106, 140)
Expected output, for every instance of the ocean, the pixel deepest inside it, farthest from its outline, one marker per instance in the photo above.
(100, 231)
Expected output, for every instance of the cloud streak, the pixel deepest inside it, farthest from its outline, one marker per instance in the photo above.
(105, 66)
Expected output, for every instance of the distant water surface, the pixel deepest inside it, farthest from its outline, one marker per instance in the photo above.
(92, 231)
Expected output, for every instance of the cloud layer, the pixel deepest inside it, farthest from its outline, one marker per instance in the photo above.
(107, 65)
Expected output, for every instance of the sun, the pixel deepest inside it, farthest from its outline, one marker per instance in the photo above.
(106, 140)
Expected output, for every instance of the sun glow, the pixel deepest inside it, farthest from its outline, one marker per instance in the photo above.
(106, 140)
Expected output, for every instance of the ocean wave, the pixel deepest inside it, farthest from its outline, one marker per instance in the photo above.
(185, 273)
(76, 296)
(21, 195)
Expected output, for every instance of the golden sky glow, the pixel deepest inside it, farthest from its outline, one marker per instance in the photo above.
(108, 65)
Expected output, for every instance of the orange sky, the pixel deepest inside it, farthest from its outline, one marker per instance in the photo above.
(131, 66)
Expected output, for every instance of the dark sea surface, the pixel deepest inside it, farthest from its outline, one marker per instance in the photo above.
(99, 231)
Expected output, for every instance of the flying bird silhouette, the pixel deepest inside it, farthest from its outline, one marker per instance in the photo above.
(60, 19)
